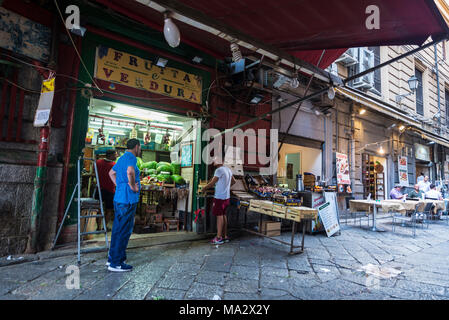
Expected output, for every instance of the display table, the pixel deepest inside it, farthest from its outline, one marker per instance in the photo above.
(292, 213)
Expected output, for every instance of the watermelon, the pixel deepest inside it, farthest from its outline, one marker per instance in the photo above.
(165, 168)
(146, 165)
(164, 178)
(139, 163)
(178, 179)
(162, 163)
(151, 171)
(152, 165)
(176, 168)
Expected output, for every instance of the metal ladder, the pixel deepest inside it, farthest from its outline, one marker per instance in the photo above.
(86, 203)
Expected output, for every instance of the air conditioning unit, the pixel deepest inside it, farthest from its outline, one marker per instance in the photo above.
(366, 61)
(333, 69)
(350, 57)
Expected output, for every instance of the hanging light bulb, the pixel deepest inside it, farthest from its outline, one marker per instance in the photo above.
(236, 54)
(381, 150)
(171, 32)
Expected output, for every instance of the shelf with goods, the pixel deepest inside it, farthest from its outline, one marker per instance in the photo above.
(380, 186)
(369, 178)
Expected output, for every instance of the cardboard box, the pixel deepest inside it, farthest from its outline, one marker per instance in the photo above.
(270, 228)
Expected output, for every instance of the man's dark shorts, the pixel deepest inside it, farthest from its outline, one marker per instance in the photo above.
(219, 207)
(108, 199)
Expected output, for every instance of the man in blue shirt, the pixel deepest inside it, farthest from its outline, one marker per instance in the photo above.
(126, 177)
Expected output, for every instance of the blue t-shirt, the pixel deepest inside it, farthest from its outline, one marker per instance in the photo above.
(123, 192)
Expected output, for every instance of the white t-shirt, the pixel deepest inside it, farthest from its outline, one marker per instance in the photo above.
(433, 194)
(223, 185)
(424, 186)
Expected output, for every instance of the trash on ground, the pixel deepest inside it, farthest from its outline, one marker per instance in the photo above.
(380, 272)
(9, 258)
(325, 270)
(216, 297)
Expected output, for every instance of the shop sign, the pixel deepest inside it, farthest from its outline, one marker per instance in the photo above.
(422, 152)
(342, 169)
(132, 71)
(403, 171)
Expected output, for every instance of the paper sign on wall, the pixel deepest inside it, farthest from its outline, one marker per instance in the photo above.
(342, 168)
(403, 171)
(45, 102)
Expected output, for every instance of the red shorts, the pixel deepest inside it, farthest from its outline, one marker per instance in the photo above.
(219, 207)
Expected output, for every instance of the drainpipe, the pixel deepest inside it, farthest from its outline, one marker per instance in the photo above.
(68, 142)
(352, 143)
(438, 86)
(41, 172)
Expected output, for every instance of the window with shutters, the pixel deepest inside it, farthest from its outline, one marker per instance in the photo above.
(377, 89)
(419, 93)
(446, 101)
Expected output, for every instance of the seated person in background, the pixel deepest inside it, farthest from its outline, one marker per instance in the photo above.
(416, 193)
(433, 193)
(396, 193)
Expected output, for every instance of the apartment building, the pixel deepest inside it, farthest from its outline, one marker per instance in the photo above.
(398, 111)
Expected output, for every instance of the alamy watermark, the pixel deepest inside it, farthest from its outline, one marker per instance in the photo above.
(73, 277)
(373, 19)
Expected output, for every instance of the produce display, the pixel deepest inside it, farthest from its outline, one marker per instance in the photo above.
(161, 173)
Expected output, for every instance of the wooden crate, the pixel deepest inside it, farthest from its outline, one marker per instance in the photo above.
(270, 228)
(279, 211)
(292, 216)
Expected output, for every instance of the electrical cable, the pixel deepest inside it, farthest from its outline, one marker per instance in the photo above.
(41, 67)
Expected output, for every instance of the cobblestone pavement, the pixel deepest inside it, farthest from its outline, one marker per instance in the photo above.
(253, 268)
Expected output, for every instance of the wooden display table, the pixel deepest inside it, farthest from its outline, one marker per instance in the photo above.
(295, 214)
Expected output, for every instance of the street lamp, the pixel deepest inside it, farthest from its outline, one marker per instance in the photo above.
(413, 84)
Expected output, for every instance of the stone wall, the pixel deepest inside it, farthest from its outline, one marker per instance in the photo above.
(16, 191)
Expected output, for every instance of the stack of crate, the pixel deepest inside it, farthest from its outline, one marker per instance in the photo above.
(309, 180)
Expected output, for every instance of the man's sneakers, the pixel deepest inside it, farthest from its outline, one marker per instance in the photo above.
(123, 267)
(217, 241)
(226, 239)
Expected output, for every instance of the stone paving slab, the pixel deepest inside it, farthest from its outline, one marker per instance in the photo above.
(251, 268)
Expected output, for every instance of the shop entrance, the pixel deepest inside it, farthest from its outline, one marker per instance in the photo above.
(375, 179)
(294, 159)
(166, 162)
(423, 167)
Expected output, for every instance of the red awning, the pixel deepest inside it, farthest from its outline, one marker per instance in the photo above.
(303, 28)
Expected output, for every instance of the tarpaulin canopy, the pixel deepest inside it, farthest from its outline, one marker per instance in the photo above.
(301, 28)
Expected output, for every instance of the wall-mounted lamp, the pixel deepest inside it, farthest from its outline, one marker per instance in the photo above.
(362, 111)
(402, 128)
(256, 98)
(161, 62)
(413, 84)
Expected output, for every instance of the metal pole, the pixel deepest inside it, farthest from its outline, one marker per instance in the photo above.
(438, 86)
(79, 209)
(101, 203)
(39, 183)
